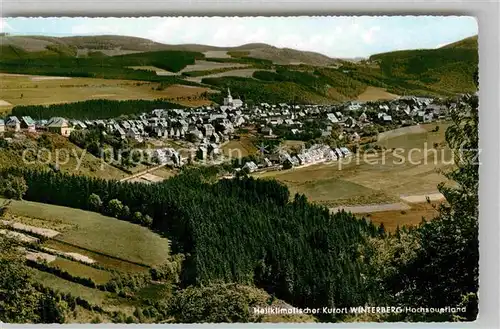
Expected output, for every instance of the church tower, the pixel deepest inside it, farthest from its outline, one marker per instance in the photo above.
(228, 101)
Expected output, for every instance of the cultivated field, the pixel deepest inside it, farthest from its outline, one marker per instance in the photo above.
(377, 179)
(201, 65)
(110, 302)
(374, 94)
(89, 247)
(412, 216)
(31, 90)
(97, 234)
(245, 73)
(216, 54)
(81, 270)
(155, 69)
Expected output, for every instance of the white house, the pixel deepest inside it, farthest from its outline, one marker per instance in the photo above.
(13, 123)
(250, 166)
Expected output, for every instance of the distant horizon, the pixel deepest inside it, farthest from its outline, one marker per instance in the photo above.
(343, 37)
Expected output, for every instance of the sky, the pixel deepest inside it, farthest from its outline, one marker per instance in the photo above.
(335, 36)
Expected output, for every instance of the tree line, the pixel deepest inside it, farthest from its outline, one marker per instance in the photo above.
(92, 109)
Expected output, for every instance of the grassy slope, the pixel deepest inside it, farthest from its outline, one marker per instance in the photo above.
(89, 165)
(31, 90)
(81, 270)
(99, 233)
(469, 43)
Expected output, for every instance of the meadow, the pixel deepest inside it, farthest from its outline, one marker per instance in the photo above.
(19, 89)
(375, 178)
(239, 148)
(99, 234)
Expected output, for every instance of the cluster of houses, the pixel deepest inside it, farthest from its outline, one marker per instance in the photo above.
(168, 156)
(208, 127)
(214, 125)
(317, 153)
(56, 125)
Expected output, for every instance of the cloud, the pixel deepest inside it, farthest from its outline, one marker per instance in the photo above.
(91, 29)
(369, 36)
(4, 26)
(343, 36)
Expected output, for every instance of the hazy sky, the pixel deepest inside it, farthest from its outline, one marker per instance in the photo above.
(333, 36)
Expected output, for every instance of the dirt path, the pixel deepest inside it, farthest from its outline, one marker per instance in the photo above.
(37, 256)
(136, 175)
(361, 209)
(19, 236)
(31, 229)
(73, 255)
(423, 198)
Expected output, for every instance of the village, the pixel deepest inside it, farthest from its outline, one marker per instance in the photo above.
(205, 130)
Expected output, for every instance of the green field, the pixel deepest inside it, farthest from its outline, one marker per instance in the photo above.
(101, 259)
(39, 90)
(93, 296)
(108, 301)
(81, 270)
(100, 234)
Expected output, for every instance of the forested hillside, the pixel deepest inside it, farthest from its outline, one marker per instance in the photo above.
(243, 231)
(445, 71)
(92, 109)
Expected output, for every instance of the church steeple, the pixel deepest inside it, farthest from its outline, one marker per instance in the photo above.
(229, 99)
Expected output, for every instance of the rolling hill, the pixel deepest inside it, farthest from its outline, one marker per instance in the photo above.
(446, 69)
(120, 45)
(255, 72)
(468, 43)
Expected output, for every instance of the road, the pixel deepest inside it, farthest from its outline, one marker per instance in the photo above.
(369, 208)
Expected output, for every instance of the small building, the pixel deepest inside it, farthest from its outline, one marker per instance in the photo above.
(267, 131)
(267, 163)
(201, 153)
(332, 118)
(59, 126)
(250, 166)
(208, 130)
(28, 123)
(2, 126)
(13, 124)
(133, 133)
(345, 151)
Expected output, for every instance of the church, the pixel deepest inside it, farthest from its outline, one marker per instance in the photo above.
(229, 101)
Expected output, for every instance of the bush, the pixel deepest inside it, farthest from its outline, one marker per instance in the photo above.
(13, 187)
(125, 214)
(217, 303)
(95, 202)
(147, 221)
(137, 217)
(115, 208)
